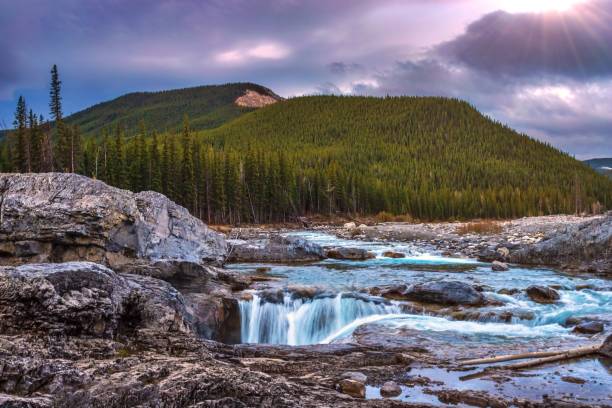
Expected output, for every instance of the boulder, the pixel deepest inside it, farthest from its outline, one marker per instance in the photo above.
(350, 225)
(352, 254)
(445, 293)
(390, 389)
(542, 294)
(59, 217)
(83, 298)
(393, 254)
(591, 327)
(276, 249)
(499, 266)
(355, 389)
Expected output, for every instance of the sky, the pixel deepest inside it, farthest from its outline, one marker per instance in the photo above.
(543, 67)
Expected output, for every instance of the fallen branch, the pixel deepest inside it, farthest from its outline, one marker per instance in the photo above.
(510, 357)
(569, 354)
(544, 356)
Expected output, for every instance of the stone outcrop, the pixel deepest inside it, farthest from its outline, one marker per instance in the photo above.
(57, 217)
(275, 249)
(254, 99)
(83, 298)
(585, 247)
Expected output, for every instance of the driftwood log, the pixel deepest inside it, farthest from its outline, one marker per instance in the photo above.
(544, 357)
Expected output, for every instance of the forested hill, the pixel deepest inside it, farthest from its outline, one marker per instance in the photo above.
(428, 157)
(206, 106)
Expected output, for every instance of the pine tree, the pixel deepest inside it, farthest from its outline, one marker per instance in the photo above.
(62, 142)
(36, 143)
(22, 150)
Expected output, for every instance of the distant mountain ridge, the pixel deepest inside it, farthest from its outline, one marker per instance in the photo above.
(602, 165)
(207, 107)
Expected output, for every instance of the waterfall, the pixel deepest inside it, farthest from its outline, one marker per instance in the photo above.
(307, 321)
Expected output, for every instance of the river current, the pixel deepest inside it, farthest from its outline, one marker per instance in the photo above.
(342, 302)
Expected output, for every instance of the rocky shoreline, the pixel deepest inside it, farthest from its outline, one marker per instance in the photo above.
(115, 299)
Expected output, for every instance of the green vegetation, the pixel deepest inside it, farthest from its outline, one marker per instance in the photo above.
(206, 106)
(401, 158)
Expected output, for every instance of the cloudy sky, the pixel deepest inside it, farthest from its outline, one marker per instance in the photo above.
(542, 66)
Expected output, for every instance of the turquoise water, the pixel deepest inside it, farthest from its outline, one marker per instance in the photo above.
(341, 305)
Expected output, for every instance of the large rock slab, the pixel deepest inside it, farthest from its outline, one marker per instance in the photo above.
(585, 246)
(83, 298)
(58, 217)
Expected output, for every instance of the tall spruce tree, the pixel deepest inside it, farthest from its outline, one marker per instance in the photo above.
(62, 142)
(36, 142)
(22, 160)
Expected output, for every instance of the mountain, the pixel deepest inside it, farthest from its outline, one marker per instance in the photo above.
(207, 107)
(431, 157)
(603, 165)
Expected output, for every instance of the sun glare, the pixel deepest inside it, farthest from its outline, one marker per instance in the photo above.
(538, 6)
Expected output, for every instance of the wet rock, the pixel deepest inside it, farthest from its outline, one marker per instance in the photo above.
(499, 266)
(354, 254)
(355, 389)
(589, 328)
(542, 294)
(59, 217)
(445, 293)
(303, 292)
(350, 225)
(393, 254)
(276, 249)
(508, 292)
(390, 389)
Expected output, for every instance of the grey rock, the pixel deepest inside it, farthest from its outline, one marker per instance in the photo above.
(542, 294)
(58, 217)
(355, 375)
(276, 249)
(445, 293)
(83, 298)
(589, 328)
(499, 266)
(390, 389)
(354, 254)
(584, 247)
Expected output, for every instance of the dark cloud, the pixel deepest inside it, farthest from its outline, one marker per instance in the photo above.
(575, 44)
(343, 68)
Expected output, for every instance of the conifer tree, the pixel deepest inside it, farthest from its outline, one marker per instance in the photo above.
(36, 143)
(62, 141)
(22, 149)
